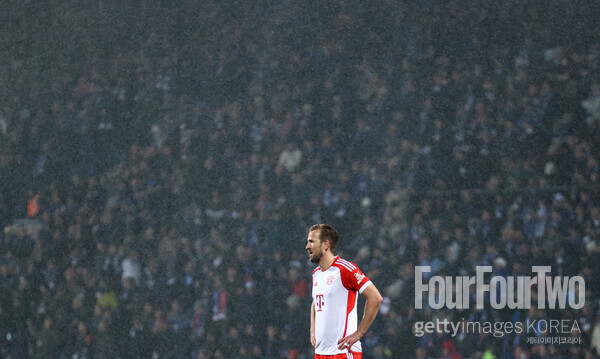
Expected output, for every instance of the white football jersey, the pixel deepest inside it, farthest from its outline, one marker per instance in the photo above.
(335, 296)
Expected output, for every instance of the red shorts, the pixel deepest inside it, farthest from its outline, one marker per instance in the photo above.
(351, 355)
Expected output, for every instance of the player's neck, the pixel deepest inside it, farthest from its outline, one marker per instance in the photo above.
(326, 261)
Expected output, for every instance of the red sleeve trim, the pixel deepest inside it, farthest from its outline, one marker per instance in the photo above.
(352, 277)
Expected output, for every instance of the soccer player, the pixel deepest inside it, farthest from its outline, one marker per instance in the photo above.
(334, 329)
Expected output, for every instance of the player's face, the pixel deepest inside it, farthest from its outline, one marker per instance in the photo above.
(313, 246)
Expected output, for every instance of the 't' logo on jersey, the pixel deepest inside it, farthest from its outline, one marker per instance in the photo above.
(319, 303)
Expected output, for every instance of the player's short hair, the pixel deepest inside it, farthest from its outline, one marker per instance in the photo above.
(328, 233)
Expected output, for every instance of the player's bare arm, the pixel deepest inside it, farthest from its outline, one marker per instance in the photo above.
(313, 338)
(372, 304)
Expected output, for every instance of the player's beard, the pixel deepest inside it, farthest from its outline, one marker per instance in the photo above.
(316, 257)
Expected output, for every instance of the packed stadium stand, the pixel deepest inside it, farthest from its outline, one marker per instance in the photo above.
(161, 162)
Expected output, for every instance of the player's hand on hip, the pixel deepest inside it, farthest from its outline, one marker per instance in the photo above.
(347, 341)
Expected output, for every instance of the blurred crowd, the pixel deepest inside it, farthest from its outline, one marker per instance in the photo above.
(160, 165)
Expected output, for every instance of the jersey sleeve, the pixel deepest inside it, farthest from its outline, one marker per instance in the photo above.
(352, 277)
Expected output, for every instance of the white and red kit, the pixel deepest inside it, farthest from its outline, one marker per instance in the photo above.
(335, 296)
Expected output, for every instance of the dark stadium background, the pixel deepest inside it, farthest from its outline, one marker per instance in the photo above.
(161, 161)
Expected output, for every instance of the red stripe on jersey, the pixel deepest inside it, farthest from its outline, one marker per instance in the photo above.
(343, 262)
(349, 264)
(352, 280)
(349, 308)
(340, 262)
(345, 266)
(350, 268)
